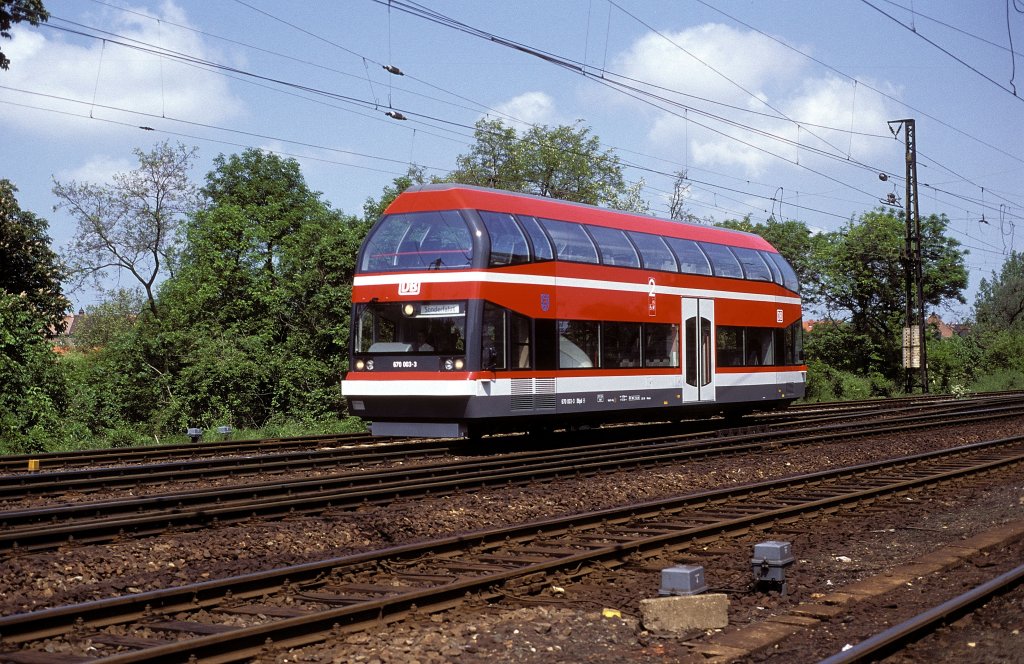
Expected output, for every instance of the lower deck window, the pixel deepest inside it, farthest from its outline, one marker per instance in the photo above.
(410, 327)
(759, 346)
(617, 345)
(577, 344)
(620, 345)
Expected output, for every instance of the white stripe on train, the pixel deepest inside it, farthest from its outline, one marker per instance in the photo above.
(462, 277)
(597, 383)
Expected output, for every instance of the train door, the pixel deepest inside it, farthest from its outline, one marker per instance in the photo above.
(698, 349)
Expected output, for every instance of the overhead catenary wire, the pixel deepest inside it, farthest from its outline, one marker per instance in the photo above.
(466, 126)
(605, 78)
(549, 56)
(914, 109)
(946, 51)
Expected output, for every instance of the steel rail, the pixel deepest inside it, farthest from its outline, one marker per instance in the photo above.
(899, 636)
(91, 479)
(18, 464)
(90, 457)
(615, 535)
(38, 484)
(38, 529)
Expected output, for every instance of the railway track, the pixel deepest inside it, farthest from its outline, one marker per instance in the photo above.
(18, 466)
(102, 521)
(50, 461)
(899, 636)
(235, 619)
(132, 477)
(354, 451)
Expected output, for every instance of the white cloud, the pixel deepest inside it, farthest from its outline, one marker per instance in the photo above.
(102, 75)
(99, 169)
(712, 61)
(529, 108)
(717, 71)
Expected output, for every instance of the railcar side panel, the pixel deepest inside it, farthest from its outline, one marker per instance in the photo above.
(545, 342)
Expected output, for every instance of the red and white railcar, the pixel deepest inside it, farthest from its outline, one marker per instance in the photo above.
(478, 310)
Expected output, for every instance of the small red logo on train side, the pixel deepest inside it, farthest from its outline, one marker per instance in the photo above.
(408, 288)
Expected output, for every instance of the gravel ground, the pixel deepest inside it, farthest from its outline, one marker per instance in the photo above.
(832, 552)
(572, 626)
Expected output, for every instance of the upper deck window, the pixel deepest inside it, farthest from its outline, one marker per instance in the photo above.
(418, 241)
(789, 278)
(571, 242)
(655, 253)
(616, 249)
(776, 272)
(542, 250)
(508, 243)
(754, 266)
(723, 261)
(691, 259)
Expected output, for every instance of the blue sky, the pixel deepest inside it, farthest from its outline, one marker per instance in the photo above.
(771, 107)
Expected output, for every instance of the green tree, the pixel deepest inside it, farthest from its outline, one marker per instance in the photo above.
(108, 322)
(999, 329)
(32, 385)
(564, 162)
(257, 314)
(130, 225)
(953, 362)
(118, 390)
(1000, 300)
(839, 345)
(29, 268)
(16, 11)
(862, 274)
(1001, 363)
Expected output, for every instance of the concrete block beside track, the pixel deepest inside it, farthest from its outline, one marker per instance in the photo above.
(685, 613)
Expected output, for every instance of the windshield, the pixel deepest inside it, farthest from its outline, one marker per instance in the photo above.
(411, 327)
(418, 241)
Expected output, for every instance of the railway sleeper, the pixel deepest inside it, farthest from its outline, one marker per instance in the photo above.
(516, 560)
(555, 550)
(37, 657)
(134, 642)
(531, 582)
(188, 626)
(264, 610)
(335, 599)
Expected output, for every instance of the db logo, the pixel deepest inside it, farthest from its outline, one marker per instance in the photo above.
(409, 288)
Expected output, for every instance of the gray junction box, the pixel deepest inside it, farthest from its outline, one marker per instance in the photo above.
(683, 580)
(770, 562)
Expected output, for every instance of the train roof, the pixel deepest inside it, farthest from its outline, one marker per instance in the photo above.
(450, 196)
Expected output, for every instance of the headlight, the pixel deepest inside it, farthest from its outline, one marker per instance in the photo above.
(449, 364)
(459, 364)
(409, 309)
(360, 365)
(369, 365)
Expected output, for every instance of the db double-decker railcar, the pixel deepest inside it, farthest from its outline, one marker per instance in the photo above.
(477, 310)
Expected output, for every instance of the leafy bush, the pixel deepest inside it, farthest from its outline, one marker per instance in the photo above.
(952, 363)
(825, 383)
(999, 380)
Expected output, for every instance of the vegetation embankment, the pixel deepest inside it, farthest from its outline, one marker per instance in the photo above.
(236, 308)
